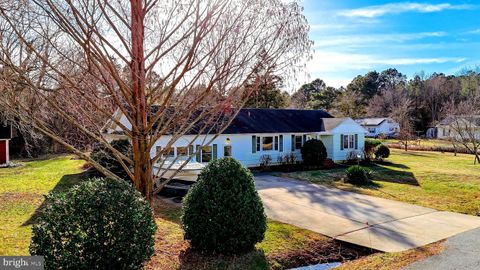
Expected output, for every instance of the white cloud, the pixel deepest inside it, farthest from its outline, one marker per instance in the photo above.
(368, 40)
(336, 62)
(397, 8)
(475, 31)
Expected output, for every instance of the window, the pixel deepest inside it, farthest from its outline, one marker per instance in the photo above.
(227, 151)
(158, 149)
(267, 143)
(276, 143)
(182, 151)
(206, 153)
(349, 142)
(345, 141)
(170, 152)
(371, 130)
(298, 142)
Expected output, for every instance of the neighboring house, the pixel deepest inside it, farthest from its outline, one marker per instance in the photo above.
(379, 126)
(5, 136)
(257, 132)
(448, 127)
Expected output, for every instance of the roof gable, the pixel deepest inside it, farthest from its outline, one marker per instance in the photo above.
(371, 121)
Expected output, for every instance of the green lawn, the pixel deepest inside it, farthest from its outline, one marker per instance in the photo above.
(284, 246)
(22, 189)
(21, 193)
(433, 179)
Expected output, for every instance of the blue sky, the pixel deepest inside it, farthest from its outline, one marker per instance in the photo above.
(353, 37)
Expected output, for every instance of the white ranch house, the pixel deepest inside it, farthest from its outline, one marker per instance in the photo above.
(257, 132)
(379, 126)
(451, 125)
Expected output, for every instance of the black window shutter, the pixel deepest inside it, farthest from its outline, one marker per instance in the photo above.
(281, 143)
(356, 141)
(199, 154)
(304, 139)
(190, 149)
(254, 144)
(214, 155)
(341, 141)
(293, 142)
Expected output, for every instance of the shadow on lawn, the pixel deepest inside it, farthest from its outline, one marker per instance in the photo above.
(66, 182)
(389, 174)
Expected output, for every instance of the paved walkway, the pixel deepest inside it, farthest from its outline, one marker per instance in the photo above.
(368, 221)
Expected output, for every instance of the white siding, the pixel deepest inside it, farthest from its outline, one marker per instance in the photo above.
(241, 144)
(384, 128)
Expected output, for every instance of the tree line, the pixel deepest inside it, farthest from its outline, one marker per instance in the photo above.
(417, 103)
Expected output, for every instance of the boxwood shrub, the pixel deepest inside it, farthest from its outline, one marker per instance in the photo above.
(358, 175)
(313, 152)
(382, 151)
(222, 212)
(100, 224)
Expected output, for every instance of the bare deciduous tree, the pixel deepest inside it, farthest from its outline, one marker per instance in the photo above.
(78, 61)
(463, 122)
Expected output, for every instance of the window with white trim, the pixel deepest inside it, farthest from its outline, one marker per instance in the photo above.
(348, 141)
(298, 142)
(267, 143)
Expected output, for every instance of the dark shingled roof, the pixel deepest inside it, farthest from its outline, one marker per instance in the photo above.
(267, 121)
(277, 121)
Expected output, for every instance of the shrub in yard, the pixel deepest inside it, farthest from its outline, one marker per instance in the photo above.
(313, 152)
(104, 157)
(222, 212)
(370, 146)
(265, 162)
(382, 151)
(358, 175)
(100, 224)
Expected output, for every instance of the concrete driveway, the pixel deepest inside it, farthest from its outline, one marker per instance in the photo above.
(368, 221)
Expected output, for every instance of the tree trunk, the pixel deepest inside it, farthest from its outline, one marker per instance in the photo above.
(141, 153)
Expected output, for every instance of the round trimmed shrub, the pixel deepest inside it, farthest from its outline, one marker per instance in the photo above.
(103, 156)
(222, 212)
(358, 175)
(313, 152)
(370, 146)
(99, 224)
(382, 151)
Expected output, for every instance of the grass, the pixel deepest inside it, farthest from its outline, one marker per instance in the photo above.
(22, 189)
(423, 142)
(280, 249)
(432, 179)
(21, 193)
(285, 246)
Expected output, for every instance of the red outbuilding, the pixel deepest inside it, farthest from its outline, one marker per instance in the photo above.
(5, 136)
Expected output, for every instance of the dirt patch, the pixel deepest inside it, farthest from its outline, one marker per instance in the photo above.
(318, 252)
(9, 198)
